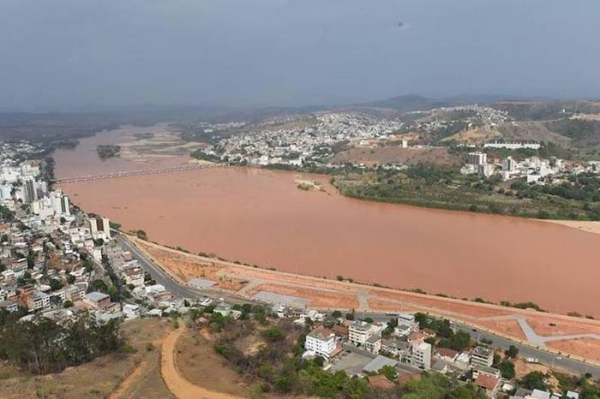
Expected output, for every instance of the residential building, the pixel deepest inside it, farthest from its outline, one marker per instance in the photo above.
(373, 343)
(446, 354)
(485, 370)
(321, 341)
(10, 306)
(489, 383)
(394, 347)
(406, 325)
(74, 293)
(223, 308)
(341, 331)
(477, 158)
(482, 356)
(37, 300)
(29, 191)
(421, 355)
(97, 300)
(359, 332)
(134, 276)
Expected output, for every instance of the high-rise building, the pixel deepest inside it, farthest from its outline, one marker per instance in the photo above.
(509, 165)
(100, 224)
(5, 192)
(64, 205)
(29, 191)
(93, 225)
(477, 158)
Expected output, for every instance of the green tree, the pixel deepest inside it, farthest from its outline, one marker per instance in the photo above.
(100, 286)
(55, 284)
(468, 391)
(534, 380)
(273, 334)
(512, 352)
(389, 372)
(507, 369)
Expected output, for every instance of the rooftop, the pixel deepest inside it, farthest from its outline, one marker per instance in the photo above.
(446, 352)
(378, 363)
(482, 351)
(322, 334)
(96, 296)
(359, 325)
(487, 382)
(373, 338)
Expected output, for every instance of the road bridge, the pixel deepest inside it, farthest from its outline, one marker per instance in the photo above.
(133, 173)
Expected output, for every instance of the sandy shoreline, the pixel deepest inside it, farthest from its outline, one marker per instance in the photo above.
(590, 227)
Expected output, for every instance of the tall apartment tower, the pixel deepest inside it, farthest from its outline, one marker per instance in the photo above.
(477, 158)
(105, 226)
(64, 205)
(29, 191)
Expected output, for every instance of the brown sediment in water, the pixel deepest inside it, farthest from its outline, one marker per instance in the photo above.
(260, 217)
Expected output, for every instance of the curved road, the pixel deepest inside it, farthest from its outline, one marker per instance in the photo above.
(175, 382)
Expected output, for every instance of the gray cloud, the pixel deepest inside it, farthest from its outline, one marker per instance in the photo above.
(72, 53)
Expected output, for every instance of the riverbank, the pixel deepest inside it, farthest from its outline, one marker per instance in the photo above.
(446, 188)
(590, 227)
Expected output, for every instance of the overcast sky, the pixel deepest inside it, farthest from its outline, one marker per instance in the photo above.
(57, 54)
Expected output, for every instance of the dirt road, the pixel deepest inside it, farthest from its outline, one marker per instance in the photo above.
(179, 386)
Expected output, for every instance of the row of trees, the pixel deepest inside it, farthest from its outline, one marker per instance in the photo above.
(43, 346)
(445, 335)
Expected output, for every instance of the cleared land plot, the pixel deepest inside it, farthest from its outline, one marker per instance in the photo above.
(201, 283)
(197, 362)
(549, 326)
(506, 327)
(277, 298)
(408, 156)
(587, 348)
(316, 298)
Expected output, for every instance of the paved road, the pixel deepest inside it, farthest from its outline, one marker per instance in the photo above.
(550, 359)
(184, 291)
(164, 279)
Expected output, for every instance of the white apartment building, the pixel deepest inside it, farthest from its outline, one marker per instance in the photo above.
(421, 355)
(37, 300)
(482, 356)
(321, 341)
(359, 332)
(406, 325)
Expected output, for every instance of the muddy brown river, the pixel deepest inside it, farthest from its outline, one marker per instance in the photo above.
(261, 217)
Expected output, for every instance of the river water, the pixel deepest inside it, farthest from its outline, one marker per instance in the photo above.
(261, 217)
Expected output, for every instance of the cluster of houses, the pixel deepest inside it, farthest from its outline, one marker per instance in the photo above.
(533, 169)
(294, 140)
(407, 348)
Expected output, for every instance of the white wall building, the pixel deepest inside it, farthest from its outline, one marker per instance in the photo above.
(421, 355)
(359, 332)
(321, 341)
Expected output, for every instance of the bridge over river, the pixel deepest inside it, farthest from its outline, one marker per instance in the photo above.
(132, 173)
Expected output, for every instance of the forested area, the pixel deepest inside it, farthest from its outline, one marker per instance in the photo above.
(445, 188)
(42, 345)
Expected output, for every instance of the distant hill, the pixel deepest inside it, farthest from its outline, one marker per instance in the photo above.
(408, 103)
(415, 102)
